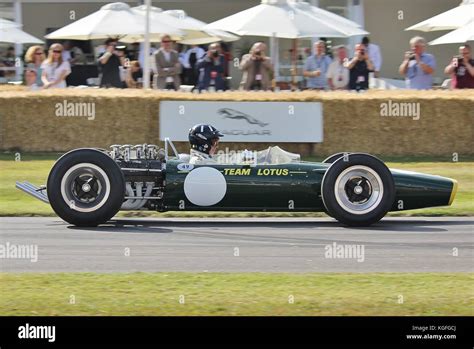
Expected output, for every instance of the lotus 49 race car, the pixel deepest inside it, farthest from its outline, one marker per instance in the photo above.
(87, 187)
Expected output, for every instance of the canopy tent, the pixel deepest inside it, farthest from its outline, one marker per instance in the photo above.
(453, 19)
(191, 28)
(461, 35)
(14, 35)
(290, 19)
(112, 20)
(5, 23)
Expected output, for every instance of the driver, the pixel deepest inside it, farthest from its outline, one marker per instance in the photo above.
(204, 140)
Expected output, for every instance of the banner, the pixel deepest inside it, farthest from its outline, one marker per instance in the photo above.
(293, 122)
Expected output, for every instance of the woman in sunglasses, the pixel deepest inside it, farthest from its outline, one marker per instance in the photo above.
(34, 58)
(55, 70)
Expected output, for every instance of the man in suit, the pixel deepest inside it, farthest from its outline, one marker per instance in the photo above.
(167, 67)
(257, 69)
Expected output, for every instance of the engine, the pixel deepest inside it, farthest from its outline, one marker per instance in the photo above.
(144, 168)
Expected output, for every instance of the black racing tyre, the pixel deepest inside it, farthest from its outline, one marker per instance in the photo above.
(86, 187)
(359, 191)
(330, 160)
(334, 157)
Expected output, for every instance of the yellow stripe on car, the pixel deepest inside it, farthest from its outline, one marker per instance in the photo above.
(453, 191)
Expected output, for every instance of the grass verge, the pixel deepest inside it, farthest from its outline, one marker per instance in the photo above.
(425, 294)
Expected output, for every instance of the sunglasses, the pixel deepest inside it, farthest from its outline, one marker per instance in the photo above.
(57, 51)
(166, 41)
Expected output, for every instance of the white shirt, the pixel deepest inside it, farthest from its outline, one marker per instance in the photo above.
(167, 55)
(338, 73)
(375, 56)
(123, 73)
(53, 72)
(181, 56)
(199, 158)
(79, 57)
(66, 55)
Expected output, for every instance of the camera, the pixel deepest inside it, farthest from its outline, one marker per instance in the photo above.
(215, 53)
(459, 59)
(119, 50)
(412, 56)
(258, 53)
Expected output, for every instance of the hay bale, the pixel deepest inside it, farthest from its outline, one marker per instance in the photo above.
(352, 121)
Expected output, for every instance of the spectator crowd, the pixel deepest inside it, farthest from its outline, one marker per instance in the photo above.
(208, 69)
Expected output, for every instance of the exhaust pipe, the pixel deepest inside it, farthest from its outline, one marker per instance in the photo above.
(38, 193)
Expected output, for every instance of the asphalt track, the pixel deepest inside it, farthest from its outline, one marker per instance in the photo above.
(421, 244)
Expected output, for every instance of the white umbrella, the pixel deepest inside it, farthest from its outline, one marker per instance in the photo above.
(191, 28)
(196, 39)
(290, 19)
(286, 19)
(195, 32)
(112, 20)
(332, 16)
(461, 35)
(5, 23)
(15, 35)
(452, 19)
(157, 18)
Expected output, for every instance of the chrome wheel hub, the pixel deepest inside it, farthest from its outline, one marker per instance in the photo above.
(85, 187)
(358, 189)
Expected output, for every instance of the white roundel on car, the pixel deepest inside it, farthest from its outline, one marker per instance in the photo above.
(205, 186)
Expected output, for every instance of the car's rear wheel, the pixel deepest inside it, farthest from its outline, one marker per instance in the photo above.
(86, 187)
(358, 190)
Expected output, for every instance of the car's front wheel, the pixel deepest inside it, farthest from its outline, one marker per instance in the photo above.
(86, 187)
(358, 190)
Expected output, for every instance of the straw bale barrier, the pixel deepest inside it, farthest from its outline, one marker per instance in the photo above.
(352, 121)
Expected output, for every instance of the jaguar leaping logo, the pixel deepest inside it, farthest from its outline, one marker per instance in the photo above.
(238, 115)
